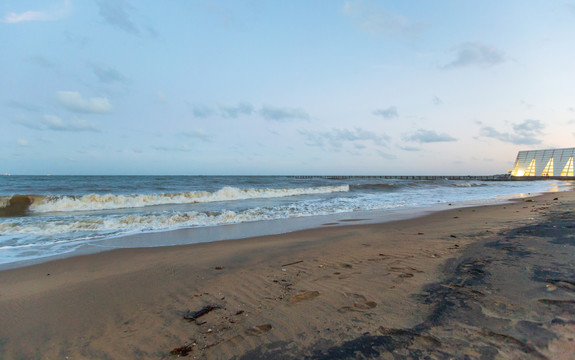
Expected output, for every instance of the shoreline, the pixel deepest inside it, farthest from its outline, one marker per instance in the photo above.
(301, 293)
(240, 231)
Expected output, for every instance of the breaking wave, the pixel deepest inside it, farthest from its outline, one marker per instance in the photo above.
(19, 205)
(94, 226)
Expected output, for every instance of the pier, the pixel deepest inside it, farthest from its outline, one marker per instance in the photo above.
(502, 177)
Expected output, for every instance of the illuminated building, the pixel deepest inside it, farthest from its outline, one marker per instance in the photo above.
(556, 163)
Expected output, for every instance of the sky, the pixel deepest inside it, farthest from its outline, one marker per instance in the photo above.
(299, 87)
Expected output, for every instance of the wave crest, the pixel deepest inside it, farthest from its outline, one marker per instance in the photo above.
(18, 205)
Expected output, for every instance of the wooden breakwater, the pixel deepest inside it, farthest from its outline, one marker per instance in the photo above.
(503, 177)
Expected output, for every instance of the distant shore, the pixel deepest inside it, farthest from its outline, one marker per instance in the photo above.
(479, 281)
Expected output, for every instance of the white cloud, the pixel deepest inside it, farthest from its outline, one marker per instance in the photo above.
(408, 148)
(23, 106)
(74, 101)
(389, 113)
(116, 13)
(337, 138)
(279, 114)
(201, 111)
(524, 133)
(22, 142)
(27, 122)
(52, 122)
(234, 112)
(120, 14)
(183, 148)
(57, 12)
(198, 135)
(374, 19)
(108, 74)
(428, 136)
(476, 54)
(386, 156)
(267, 112)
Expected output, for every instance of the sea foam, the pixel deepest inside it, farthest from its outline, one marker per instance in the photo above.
(111, 201)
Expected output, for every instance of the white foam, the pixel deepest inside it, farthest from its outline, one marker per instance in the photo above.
(110, 201)
(97, 224)
(4, 201)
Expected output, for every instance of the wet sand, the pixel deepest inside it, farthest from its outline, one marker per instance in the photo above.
(492, 282)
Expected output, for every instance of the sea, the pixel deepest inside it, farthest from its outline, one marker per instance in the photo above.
(46, 216)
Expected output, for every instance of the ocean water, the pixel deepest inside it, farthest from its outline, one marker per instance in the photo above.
(43, 216)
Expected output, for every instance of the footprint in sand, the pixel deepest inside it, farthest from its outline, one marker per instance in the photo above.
(259, 330)
(358, 306)
(361, 303)
(404, 272)
(345, 309)
(364, 305)
(355, 296)
(303, 296)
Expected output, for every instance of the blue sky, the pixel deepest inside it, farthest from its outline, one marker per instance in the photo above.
(283, 87)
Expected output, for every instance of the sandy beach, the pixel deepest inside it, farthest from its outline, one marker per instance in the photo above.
(491, 282)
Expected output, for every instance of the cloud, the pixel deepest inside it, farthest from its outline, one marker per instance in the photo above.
(428, 136)
(116, 13)
(22, 142)
(23, 106)
(409, 148)
(42, 62)
(524, 133)
(73, 101)
(529, 127)
(526, 104)
(337, 138)
(389, 113)
(386, 156)
(27, 122)
(374, 19)
(201, 111)
(108, 75)
(183, 148)
(55, 123)
(57, 12)
(476, 54)
(198, 135)
(234, 112)
(271, 113)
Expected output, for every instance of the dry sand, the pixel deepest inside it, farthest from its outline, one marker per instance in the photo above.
(494, 282)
